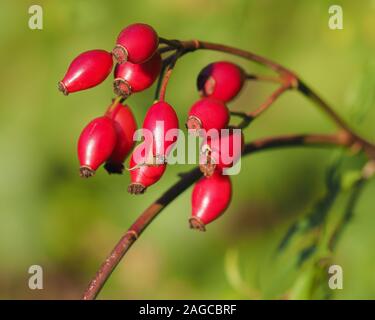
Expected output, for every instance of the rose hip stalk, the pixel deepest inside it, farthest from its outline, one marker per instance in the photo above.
(136, 43)
(211, 196)
(161, 120)
(95, 145)
(221, 80)
(221, 152)
(125, 126)
(142, 175)
(208, 113)
(131, 78)
(87, 70)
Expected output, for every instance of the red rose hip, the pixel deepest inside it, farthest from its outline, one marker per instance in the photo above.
(142, 175)
(210, 197)
(95, 145)
(221, 80)
(136, 43)
(222, 151)
(87, 70)
(131, 78)
(125, 126)
(208, 113)
(162, 122)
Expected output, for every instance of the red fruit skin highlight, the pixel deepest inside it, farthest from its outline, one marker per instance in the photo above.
(208, 113)
(131, 78)
(125, 126)
(136, 43)
(210, 198)
(221, 80)
(87, 70)
(142, 175)
(161, 118)
(96, 144)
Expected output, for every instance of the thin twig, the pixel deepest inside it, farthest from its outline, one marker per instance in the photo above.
(260, 77)
(166, 49)
(269, 101)
(115, 102)
(164, 66)
(290, 78)
(309, 93)
(183, 184)
(172, 43)
(247, 118)
(168, 73)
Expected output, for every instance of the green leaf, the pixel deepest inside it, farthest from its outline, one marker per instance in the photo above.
(350, 178)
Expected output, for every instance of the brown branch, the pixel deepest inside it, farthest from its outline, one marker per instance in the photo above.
(269, 101)
(197, 44)
(172, 43)
(314, 97)
(291, 80)
(247, 118)
(168, 73)
(259, 77)
(166, 49)
(183, 184)
(164, 66)
(346, 137)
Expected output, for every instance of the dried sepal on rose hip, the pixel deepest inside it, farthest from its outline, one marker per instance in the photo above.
(136, 43)
(221, 80)
(222, 151)
(95, 145)
(87, 70)
(210, 198)
(125, 126)
(130, 77)
(161, 122)
(206, 114)
(143, 174)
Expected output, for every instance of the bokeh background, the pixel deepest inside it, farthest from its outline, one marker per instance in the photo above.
(51, 217)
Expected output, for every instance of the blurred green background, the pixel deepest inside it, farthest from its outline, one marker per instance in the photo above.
(51, 217)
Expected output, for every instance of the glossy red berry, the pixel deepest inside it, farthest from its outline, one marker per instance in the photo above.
(95, 145)
(161, 120)
(221, 152)
(125, 126)
(131, 78)
(136, 43)
(87, 70)
(142, 175)
(208, 113)
(221, 80)
(211, 196)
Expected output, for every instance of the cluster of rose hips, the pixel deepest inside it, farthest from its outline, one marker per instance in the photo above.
(109, 139)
